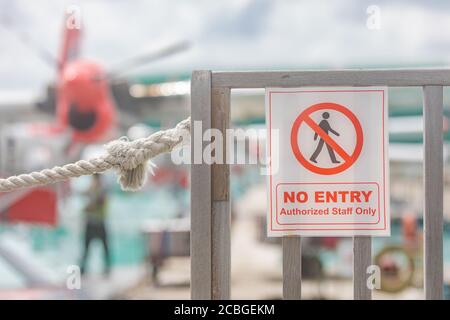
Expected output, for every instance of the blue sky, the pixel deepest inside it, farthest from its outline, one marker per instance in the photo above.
(230, 34)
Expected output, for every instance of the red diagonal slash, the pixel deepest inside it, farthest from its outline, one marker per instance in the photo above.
(333, 144)
(304, 117)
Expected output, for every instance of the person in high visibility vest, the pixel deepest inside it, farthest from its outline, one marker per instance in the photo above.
(95, 221)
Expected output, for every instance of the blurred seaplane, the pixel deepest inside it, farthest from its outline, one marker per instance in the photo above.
(84, 112)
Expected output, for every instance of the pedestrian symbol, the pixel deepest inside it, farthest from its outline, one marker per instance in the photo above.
(323, 131)
(326, 128)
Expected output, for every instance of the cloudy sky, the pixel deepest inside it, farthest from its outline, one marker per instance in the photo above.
(229, 34)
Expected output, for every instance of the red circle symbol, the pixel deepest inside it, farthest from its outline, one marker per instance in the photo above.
(304, 117)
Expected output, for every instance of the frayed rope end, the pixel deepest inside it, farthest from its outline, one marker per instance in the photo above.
(133, 179)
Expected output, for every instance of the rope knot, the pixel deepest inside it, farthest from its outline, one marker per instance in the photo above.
(125, 154)
(129, 158)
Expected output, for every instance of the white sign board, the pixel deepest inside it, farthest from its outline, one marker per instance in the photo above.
(329, 168)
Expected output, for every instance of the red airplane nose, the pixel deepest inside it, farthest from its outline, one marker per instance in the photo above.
(83, 82)
(88, 108)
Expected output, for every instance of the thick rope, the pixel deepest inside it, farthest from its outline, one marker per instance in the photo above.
(129, 158)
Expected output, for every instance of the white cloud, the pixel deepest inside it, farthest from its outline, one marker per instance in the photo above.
(230, 35)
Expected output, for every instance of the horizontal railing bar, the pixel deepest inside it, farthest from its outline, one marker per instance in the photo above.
(363, 77)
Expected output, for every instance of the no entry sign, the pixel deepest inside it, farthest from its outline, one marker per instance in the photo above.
(329, 169)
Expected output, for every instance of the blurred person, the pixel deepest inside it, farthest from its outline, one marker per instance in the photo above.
(95, 227)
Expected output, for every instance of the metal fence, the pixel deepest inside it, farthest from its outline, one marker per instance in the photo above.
(210, 196)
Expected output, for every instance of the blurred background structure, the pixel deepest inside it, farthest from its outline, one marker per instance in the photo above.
(76, 74)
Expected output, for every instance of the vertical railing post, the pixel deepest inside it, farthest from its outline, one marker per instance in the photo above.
(362, 258)
(200, 187)
(433, 185)
(221, 215)
(292, 268)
